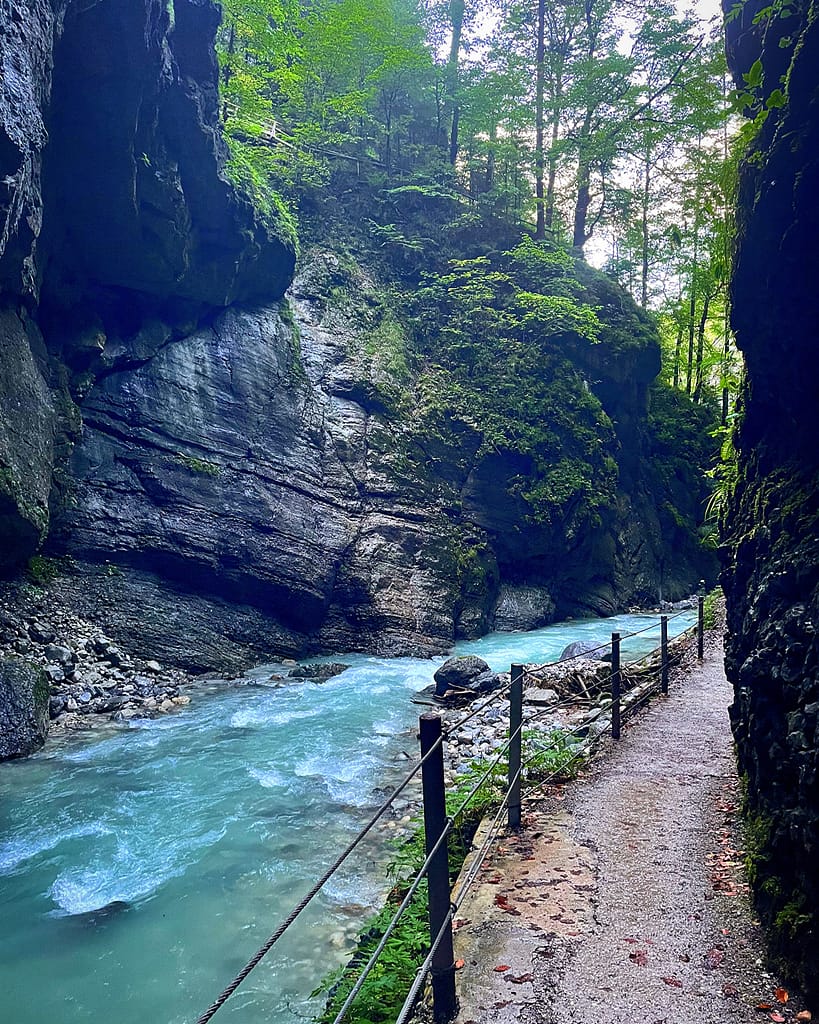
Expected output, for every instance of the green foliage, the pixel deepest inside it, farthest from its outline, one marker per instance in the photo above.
(496, 331)
(710, 606)
(793, 919)
(384, 991)
(199, 466)
(682, 450)
(252, 169)
(757, 845)
(550, 754)
(386, 348)
(42, 570)
(724, 474)
(345, 86)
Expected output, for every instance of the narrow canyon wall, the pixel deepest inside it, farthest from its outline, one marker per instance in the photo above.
(119, 231)
(217, 462)
(771, 575)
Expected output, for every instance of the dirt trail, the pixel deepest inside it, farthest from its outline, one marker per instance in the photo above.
(623, 899)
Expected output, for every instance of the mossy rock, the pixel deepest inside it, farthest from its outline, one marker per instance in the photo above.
(24, 717)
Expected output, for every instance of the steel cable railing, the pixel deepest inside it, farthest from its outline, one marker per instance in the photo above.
(300, 907)
(452, 729)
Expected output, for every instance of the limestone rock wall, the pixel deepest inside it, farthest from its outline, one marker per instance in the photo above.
(771, 575)
(118, 228)
(226, 470)
(246, 489)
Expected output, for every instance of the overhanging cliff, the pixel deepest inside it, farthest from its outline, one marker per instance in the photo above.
(119, 230)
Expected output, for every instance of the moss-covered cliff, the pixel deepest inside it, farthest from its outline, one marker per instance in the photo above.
(771, 575)
(442, 429)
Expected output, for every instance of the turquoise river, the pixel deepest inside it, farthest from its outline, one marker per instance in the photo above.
(141, 865)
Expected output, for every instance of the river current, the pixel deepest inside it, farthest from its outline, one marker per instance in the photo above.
(141, 866)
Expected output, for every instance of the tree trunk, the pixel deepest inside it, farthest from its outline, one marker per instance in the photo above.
(456, 15)
(706, 302)
(540, 76)
(581, 208)
(678, 352)
(645, 232)
(490, 160)
(550, 189)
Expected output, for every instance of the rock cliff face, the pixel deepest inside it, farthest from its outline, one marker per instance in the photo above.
(771, 577)
(121, 234)
(23, 708)
(247, 490)
(229, 471)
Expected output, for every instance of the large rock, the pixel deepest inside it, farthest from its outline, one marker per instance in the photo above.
(24, 708)
(28, 428)
(582, 649)
(522, 607)
(460, 673)
(771, 575)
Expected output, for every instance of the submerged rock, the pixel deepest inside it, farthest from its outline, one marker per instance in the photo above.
(24, 708)
(320, 672)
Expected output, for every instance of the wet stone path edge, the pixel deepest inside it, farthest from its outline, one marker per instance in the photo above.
(623, 898)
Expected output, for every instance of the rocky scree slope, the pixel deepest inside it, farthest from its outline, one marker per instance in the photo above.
(771, 575)
(233, 474)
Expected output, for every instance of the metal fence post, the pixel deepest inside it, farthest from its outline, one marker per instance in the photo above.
(445, 1003)
(701, 629)
(615, 685)
(664, 654)
(515, 737)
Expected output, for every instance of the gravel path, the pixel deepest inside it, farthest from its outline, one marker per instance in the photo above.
(624, 899)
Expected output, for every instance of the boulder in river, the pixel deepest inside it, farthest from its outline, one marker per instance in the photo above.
(584, 649)
(24, 708)
(319, 672)
(460, 673)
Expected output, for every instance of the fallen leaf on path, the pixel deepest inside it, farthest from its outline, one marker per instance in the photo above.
(782, 995)
(639, 957)
(713, 958)
(778, 1018)
(519, 979)
(501, 968)
(730, 991)
(459, 964)
(764, 1007)
(804, 1015)
(674, 982)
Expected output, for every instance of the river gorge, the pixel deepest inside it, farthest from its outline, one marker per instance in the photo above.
(143, 863)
